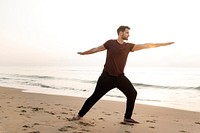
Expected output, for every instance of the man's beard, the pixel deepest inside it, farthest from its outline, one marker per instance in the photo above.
(125, 38)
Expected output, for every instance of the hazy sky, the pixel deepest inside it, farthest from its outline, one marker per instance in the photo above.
(51, 32)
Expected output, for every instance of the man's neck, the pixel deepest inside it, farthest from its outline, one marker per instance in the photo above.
(120, 41)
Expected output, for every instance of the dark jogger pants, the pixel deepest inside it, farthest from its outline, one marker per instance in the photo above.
(104, 84)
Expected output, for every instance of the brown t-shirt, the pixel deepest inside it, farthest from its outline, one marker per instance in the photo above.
(116, 56)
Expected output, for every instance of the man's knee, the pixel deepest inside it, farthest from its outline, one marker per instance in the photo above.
(132, 95)
(135, 92)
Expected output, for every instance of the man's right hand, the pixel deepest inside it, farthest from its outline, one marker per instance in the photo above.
(81, 53)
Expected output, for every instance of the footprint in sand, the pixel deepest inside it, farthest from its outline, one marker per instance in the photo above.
(197, 123)
(153, 116)
(23, 111)
(21, 107)
(36, 109)
(182, 131)
(106, 113)
(70, 109)
(64, 113)
(49, 112)
(57, 104)
(29, 107)
(86, 124)
(34, 132)
(85, 130)
(68, 119)
(151, 121)
(66, 128)
(102, 119)
(3, 117)
(59, 117)
(151, 127)
(26, 126)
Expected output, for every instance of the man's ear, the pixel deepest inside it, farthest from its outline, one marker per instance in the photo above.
(121, 33)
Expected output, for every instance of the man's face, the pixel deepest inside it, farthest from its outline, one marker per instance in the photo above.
(125, 34)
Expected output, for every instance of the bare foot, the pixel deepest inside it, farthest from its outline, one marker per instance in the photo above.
(77, 117)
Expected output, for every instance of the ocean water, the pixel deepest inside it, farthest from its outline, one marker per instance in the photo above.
(168, 87)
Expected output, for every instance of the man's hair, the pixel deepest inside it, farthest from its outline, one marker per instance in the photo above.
(122, 28)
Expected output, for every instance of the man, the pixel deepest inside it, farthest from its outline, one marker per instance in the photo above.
(113, 72)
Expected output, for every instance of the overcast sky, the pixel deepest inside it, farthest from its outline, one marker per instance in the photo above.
(51, 32)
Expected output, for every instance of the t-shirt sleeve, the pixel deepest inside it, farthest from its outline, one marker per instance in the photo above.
(106, 44)
(131, 46)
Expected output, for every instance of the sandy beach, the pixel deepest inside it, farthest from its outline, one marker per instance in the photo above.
(39, 113)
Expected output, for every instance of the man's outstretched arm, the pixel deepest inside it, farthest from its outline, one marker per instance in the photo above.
(93, 50)
(149, 45)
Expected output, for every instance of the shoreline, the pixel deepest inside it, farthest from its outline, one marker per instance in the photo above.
(35, 112)
(107, 98)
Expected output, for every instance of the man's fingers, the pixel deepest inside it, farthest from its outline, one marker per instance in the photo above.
(81, 53)
(170, 43)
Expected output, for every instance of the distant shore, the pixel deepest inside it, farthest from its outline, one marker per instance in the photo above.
(39, 113)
